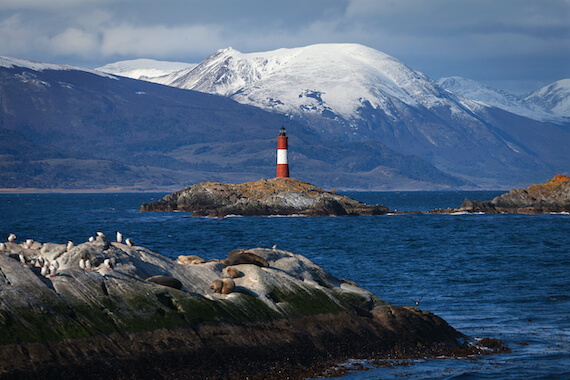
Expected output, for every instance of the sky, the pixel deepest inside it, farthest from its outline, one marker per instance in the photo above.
(514, 45)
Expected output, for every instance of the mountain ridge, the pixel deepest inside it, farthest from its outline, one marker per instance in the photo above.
(68, 128)
(356, 93)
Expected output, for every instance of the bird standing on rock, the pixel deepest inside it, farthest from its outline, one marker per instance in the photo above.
(2, 247)
(69, 246)
(119, 237)
(88, 265)
(129, 242)
(11, 238)
(82, 264)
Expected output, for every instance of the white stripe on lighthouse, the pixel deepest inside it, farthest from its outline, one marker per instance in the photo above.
(281, 156)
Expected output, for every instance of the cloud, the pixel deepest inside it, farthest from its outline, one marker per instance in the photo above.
(477, 39)
(160, 40)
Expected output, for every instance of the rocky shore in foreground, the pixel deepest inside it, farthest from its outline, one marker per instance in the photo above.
(550, 197)
(105, 309)
(277, 196)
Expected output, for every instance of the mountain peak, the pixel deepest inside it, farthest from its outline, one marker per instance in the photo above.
(555, 97)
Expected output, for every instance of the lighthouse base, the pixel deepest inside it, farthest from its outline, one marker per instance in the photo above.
(282, 171)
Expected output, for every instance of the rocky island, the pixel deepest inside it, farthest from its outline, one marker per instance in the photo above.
(550, 197)
(277, 196)
(104, 309)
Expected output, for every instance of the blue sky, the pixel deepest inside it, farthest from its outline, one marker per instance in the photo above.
(516, 45)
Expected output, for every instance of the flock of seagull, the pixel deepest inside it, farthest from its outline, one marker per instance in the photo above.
(49, 269)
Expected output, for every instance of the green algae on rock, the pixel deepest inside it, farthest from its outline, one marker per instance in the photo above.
(110, 321)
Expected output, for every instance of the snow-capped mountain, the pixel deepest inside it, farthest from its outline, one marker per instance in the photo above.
(144, 69)
(555, 97)
(325, 79)
(490, 96)
(357, 93)
(65, 127)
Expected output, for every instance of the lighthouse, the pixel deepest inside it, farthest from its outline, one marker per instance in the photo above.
(282, 165)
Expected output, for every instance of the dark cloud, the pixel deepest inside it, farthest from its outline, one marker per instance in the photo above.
(512, 42)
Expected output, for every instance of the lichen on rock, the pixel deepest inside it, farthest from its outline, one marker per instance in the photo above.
(283, 196)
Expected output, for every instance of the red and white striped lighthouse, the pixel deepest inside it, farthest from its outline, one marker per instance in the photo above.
(282, 165)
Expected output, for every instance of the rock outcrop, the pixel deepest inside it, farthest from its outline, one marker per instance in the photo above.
(278, 196)
(550, 197)
(137, 314)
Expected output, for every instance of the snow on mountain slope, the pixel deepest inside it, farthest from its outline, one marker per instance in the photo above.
(9, 62)
(555, 97)
(145, 69)
(323, 79)
(474, 90)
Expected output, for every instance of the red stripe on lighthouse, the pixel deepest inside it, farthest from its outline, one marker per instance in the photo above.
(282, 165)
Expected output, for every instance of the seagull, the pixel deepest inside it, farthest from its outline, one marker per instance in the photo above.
(82, 264)
(11, 237)
(129, 242)
(418, 301)
(119, 237)
(69, 246)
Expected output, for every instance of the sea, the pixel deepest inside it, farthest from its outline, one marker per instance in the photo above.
(496, 276)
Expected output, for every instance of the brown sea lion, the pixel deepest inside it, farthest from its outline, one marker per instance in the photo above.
(241, 256)
(231, 272)
(224, 286)
(165, 281)
(190, 260)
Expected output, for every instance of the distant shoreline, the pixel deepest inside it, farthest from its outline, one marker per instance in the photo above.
(109, 190)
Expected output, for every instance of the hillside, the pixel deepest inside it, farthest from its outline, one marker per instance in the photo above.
(65, 127)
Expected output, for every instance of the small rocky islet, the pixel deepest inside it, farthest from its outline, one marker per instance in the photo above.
(133, 313)
(547, 198)
(277, 196)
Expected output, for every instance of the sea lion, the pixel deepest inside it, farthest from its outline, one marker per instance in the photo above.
(241, 256)
(231, 272)
(224, 286)
(165, 281)
(190, 260)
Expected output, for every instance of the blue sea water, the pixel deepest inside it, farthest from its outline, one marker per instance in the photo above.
(498, 276)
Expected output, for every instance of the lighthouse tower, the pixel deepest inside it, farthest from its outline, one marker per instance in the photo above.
(282, 165)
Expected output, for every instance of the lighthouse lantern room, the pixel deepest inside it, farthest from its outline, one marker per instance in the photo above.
(282, 165)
